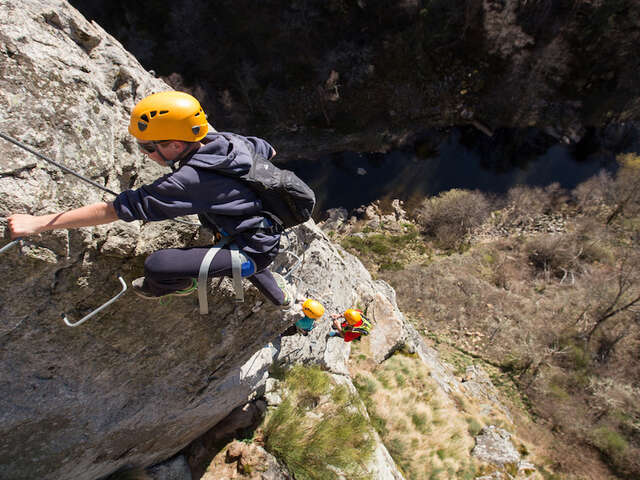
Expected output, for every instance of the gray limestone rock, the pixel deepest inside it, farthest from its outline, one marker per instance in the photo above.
(477, 384)
(493, 445)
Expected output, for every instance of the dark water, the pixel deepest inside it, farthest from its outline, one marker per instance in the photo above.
(455, 160)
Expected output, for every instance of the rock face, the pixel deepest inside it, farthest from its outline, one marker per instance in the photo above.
(141, 380)
(364, 74)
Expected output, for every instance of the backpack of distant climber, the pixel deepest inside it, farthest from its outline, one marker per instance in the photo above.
(357, 322)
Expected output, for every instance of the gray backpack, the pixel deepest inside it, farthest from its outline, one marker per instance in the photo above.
(286, 199)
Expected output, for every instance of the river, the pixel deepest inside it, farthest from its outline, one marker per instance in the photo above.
(459, 158)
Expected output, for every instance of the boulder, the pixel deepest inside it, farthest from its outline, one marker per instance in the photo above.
(493, 445)
(245, 461)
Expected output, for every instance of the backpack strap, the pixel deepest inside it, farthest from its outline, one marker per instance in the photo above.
(269, 224)
(365, 328)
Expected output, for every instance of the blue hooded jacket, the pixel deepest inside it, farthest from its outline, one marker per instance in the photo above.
(196, 188)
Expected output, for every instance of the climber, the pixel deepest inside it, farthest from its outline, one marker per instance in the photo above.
(171, 129)
(312, 310)
(354, 326)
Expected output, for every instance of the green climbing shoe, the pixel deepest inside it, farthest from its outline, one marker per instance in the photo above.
(141, 288)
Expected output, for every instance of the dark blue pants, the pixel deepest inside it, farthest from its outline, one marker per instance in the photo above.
(175, 268)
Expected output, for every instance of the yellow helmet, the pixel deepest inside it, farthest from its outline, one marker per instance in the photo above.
(312, 308)
(168, 116)
(352, 316)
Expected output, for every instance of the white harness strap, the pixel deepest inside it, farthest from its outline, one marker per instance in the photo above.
(236, 272)
(203, 275)
(237, 259)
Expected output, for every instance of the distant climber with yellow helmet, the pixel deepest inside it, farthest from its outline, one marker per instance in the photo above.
(355, 325)
(171, 129)
(313, 310)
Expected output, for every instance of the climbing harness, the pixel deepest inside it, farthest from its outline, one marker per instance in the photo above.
(241, 266)
(101, 307)
(363, 329)
(68, 170)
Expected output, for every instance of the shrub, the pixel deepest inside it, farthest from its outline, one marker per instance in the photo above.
(554, 254)
(450, 216)
(365, 386)
(391, 265)
(592, 195)
(419, 420)
(610, 442)
(309, 380)
(366, 245)
(525, 203)
(627, 187)
(384, 380)
(474, 426)
(620, 194)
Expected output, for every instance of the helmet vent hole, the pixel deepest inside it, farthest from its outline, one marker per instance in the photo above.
(153, 113)
(142, 126)
(195, 130)
(197, 114)
(164, 112)
(144, 117)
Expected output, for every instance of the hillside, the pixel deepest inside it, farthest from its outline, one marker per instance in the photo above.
(541, 285)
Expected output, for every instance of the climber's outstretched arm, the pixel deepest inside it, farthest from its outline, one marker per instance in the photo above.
(22, 225)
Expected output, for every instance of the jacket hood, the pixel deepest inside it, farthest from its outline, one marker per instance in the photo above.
(223, 152)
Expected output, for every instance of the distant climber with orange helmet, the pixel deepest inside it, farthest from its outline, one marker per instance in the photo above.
(171, 129)
(313, 310)
(355, 325)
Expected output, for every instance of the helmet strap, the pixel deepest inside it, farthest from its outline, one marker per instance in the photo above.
(172, 163)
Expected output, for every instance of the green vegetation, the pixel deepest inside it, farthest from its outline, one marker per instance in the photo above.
(610, 442)
(318, 428)
(386, 251)
(474, 426)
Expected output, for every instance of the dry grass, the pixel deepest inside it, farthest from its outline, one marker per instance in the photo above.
(420, 426)
(551, 297)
